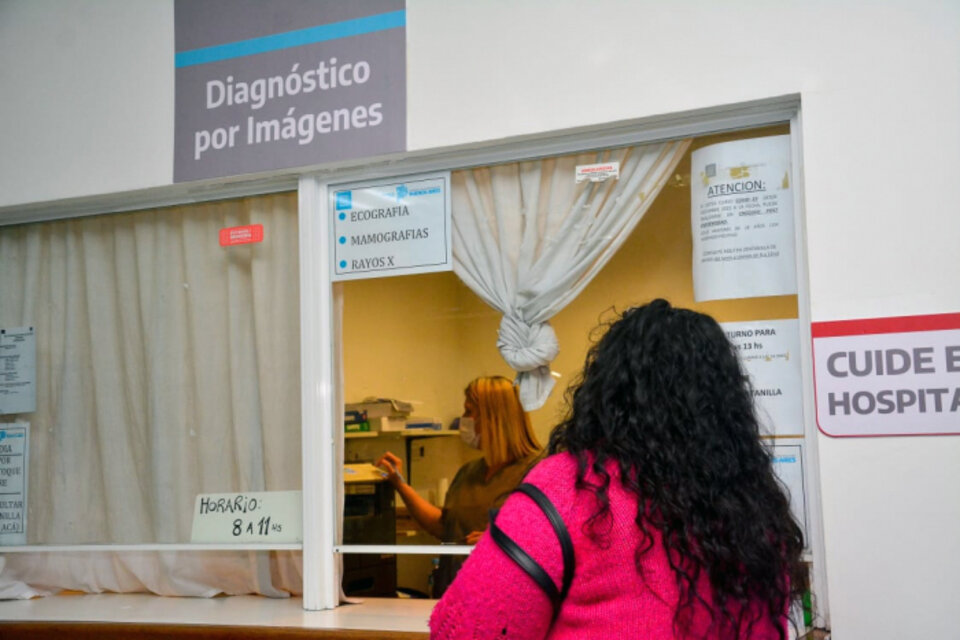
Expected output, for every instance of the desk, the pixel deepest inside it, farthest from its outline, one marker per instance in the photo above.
(369, 517)
(369, 445)
(445, 454)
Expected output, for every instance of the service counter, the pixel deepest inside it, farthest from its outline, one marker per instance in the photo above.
(149, 617)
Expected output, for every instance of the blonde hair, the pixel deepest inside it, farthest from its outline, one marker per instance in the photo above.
(506, 431)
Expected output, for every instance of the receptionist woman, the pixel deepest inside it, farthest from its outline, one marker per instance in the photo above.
(494, 422)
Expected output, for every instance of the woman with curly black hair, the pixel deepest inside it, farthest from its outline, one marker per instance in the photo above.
(679, 527)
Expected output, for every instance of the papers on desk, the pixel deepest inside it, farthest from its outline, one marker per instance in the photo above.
(362, 472)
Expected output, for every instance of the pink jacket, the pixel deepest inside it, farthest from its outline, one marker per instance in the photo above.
(493, 598)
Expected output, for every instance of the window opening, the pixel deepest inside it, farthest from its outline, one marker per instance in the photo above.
(420, 340)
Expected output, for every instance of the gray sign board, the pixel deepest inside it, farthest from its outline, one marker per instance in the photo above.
(288, 83)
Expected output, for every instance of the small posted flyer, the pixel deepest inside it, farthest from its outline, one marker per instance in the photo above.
(770, 353)
(18, 370)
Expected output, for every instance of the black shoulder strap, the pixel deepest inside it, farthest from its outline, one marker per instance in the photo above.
(527, 563)
(566, 544)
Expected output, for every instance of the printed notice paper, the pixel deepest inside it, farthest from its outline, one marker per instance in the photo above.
(742, 220)
(14, 449)
(770, 353)
(597, 172)
(18, 370)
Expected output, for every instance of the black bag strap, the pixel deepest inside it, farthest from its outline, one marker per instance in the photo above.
(527, 563)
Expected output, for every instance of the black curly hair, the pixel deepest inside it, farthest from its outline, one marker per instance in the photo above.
(663, 394)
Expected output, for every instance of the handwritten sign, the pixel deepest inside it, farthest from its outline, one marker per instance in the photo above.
(391, 228)
(18, 370)
(888, 376)
(14, 439)
(265, 516)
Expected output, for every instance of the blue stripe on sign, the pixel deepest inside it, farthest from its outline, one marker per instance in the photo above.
(324, 32)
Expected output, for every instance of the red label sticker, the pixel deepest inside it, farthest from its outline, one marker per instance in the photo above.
(241, 235)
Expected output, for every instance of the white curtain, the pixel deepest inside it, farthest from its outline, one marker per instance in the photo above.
(167, 366)
(527, 239)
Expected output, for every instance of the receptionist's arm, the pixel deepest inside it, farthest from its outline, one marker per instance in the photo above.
(426, 514)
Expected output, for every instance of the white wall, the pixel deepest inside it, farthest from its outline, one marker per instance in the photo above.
(86, 97)
(86, 108)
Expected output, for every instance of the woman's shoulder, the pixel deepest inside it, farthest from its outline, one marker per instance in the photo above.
(556, 475)
(472, 469)
(565, 464)
(553, 469)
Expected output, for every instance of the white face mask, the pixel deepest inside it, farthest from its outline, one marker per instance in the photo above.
(468, 433)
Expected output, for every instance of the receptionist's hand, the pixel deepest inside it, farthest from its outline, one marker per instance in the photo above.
(473, 537)
(393, 467)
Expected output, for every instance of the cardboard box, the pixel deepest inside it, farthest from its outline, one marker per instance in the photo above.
(388, 423)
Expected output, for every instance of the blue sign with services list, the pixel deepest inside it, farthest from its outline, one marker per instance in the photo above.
(286, 83)
(391, 227)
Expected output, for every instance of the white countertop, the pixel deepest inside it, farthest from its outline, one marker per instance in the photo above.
(385, 614)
